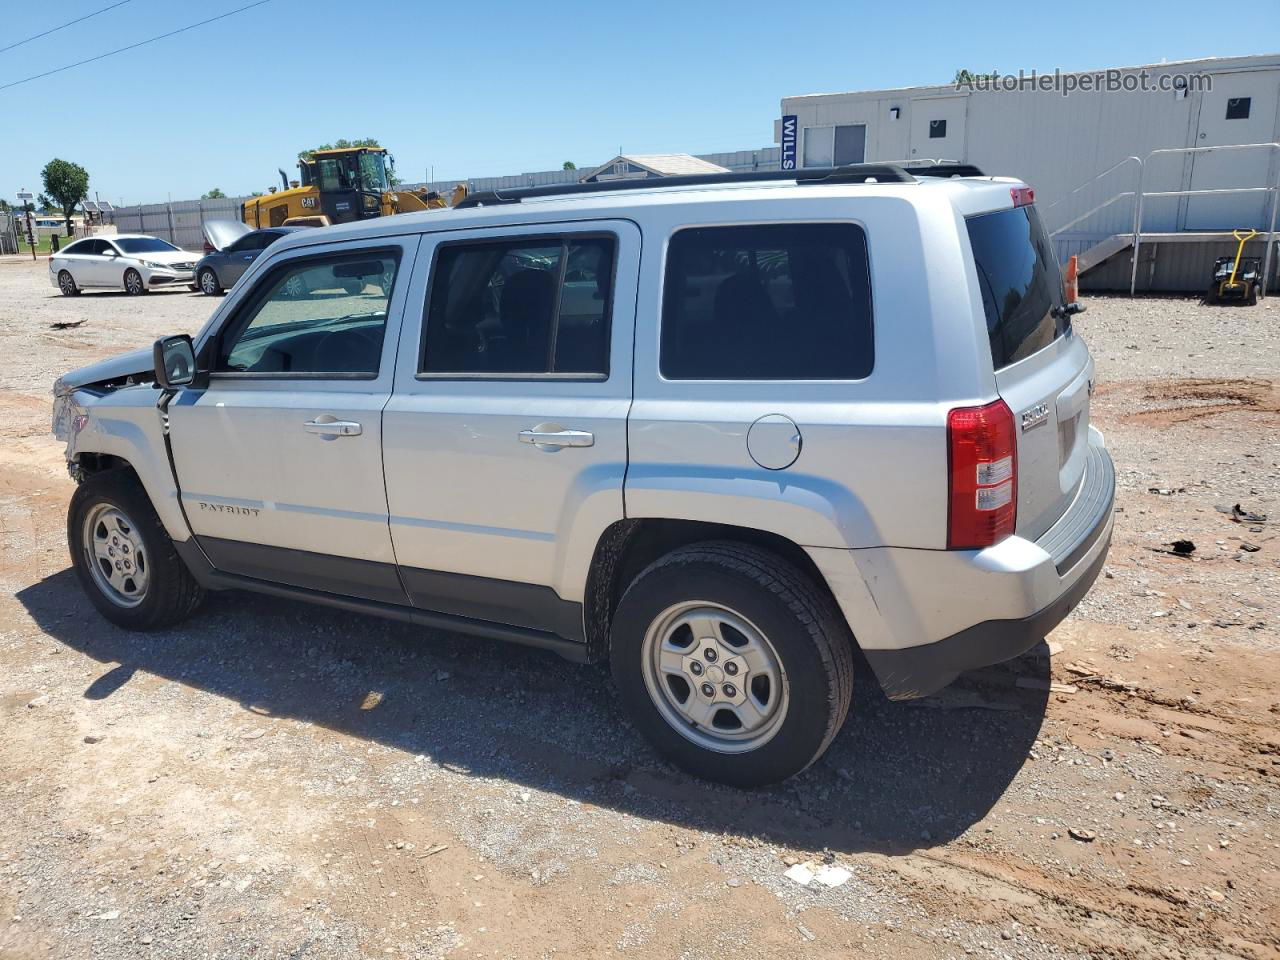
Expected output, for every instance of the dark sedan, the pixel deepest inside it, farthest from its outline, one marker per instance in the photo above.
(234, 250)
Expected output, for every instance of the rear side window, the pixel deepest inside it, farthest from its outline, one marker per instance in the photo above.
(1020, 280)
(521, 307)
(767, 302)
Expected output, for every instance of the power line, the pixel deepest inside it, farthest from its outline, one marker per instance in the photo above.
(69, 23)
(134, 46)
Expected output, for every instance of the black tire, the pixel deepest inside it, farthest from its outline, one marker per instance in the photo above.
(171, 594)
(800, 621)
(67, 284)
(133, 283)
(207, 282)
(1211, 296)
(1252, 299)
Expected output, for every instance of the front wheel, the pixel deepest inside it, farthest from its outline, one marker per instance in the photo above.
(208, 281)
(732, 662)
(133, 284)
(123, 557)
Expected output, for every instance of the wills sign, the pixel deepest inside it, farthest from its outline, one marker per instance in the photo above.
(790, 137)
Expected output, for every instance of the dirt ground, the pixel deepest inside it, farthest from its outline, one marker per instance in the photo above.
(276, 780)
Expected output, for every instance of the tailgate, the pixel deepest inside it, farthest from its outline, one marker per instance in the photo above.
(1049, 396)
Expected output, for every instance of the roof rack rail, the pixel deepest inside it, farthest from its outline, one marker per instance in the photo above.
(852, 173)
(944, 170)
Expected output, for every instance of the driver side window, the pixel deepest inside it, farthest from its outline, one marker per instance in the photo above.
(320, 317)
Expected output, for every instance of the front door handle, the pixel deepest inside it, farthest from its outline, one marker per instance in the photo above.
(552, 437)
(328, 427)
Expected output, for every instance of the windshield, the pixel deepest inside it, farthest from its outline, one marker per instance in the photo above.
(144, 245)
(373, 172)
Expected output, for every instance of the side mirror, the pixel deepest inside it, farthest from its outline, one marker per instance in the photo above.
(175, 361)
(111, 252)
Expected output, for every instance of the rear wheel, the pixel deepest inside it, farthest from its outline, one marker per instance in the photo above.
(123, 557)
(1252, 299)
(67, 284)
(732, 662)
(133, 284)
(208, 281)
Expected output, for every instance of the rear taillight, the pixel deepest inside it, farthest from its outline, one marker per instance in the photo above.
(983, 474)
(209, 248)
(1022, 196)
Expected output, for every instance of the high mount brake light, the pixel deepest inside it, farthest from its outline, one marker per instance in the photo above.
(982, 462)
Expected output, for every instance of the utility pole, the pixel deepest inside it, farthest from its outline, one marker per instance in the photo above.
(25, 197)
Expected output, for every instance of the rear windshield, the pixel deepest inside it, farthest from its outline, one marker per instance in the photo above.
(144, 245)
(1021, 283)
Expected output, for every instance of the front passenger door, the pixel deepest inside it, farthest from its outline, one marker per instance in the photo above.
(279, 460)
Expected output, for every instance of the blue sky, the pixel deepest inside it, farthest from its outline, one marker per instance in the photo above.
(503, 87)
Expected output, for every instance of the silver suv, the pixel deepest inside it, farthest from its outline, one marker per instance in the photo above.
(717, 431)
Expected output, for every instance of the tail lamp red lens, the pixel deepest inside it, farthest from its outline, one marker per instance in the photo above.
(983, 475)
(1022, 196)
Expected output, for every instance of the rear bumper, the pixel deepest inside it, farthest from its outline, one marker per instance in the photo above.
(922, 617)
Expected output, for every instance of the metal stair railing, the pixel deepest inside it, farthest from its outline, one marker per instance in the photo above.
(1047, 211)
(1273, 189)
(1139, 196)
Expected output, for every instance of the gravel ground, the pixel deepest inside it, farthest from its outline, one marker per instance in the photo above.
(276, 780)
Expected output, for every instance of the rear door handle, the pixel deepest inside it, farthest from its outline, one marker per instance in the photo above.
(541, 437)
(328, 427)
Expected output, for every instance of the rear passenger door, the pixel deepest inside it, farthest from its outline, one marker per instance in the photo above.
(505, 440)
(92, 262)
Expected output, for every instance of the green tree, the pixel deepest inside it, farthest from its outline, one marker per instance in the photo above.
(967, 78)
(67, 183)
(569, 165)
(45, 205)
(338, 145)
(214, 194)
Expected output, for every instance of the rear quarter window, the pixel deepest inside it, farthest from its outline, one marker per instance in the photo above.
(1020, 281)
(767, 302)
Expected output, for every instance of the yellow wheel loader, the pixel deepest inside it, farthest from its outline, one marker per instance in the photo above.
(339, 186)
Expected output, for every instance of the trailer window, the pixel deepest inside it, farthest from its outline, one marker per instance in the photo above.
(1020, 281)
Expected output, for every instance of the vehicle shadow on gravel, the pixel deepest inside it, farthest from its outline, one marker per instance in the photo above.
(898, 777)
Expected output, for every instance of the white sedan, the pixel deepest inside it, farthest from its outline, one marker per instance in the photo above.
(131, 261)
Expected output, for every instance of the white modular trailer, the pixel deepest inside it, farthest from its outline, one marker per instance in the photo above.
(1089, 143)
